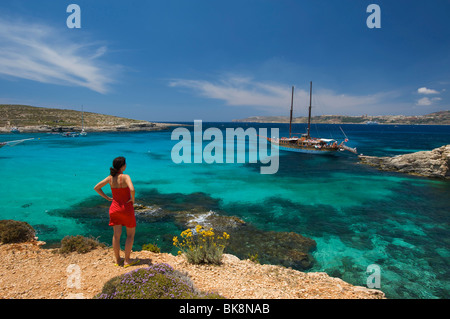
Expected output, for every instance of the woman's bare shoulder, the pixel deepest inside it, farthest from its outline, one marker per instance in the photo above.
(103, 182)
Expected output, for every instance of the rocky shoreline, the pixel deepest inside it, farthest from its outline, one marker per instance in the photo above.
(32, 119)
(132, 127)
(433, 164)
(436, 118)
(31, 272)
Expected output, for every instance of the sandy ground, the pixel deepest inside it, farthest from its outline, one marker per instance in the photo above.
(30, 272)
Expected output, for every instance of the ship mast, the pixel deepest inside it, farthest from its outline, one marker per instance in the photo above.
(309, 116)
(292, 106)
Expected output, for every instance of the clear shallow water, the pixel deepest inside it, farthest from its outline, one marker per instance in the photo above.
(357, 215)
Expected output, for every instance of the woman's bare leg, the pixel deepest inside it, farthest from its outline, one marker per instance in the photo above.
(129, 244)
(116, 242)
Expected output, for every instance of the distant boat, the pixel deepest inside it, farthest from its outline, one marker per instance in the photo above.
(83, 132)
(306, 143)
(15, 130)
(77, 134)
(371, 122)
(70, 134)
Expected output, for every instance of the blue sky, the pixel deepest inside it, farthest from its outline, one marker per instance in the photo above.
(179, 60)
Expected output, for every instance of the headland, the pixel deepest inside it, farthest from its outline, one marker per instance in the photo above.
(436, 118)
(32, 119)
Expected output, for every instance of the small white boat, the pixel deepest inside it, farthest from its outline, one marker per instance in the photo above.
(83, 132)
(70, 134)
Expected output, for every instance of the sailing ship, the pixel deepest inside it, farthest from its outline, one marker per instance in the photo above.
(306, 143)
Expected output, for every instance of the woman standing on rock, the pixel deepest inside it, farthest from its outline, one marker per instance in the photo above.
(121, 211)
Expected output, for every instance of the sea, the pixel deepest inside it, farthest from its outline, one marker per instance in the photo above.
(358, 215)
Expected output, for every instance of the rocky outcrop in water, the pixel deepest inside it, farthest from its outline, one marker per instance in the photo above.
(284, 248)
(433, 163)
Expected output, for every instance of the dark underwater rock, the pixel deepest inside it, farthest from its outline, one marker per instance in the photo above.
(284, 248)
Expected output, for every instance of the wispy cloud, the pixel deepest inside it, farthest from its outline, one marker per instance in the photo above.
(244, 91)
(238, 91)
(41, 53)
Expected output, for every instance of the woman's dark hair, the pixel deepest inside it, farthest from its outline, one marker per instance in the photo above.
(118, 162)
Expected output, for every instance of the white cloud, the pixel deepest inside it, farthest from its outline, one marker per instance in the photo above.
(424, 90)
(243, 91)
(39, 53)
(425, 101)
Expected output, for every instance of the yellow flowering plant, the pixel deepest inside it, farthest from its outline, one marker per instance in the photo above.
(202, 246)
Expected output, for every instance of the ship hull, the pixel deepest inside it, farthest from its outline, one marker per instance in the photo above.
(305, 149)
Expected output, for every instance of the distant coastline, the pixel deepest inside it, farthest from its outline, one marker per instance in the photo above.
(32, 119)
(436, 118)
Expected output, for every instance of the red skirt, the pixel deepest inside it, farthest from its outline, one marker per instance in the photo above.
(121, 212)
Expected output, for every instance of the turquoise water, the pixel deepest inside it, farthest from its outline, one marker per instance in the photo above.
(357, 215)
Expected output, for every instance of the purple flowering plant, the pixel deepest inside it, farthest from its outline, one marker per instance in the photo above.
(158, 281)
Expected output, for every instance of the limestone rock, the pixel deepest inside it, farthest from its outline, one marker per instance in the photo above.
(32, 272)
(434, 163)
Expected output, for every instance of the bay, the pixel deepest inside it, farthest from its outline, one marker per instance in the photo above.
(357, 215)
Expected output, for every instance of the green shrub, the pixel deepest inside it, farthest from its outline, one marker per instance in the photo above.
(78, 243)
(254, 258)
(12, 231)
(159, 281)
(205, 247)
(151, 247)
